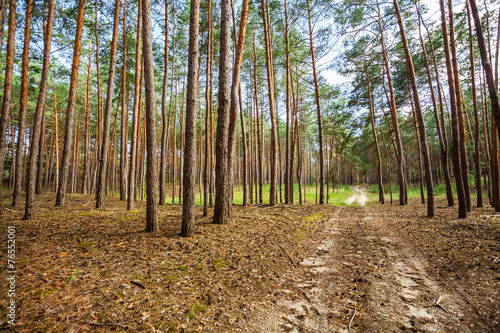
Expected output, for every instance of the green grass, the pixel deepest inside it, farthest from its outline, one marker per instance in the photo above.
(336, 197)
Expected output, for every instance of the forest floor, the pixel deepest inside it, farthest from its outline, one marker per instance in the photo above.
(373, 268)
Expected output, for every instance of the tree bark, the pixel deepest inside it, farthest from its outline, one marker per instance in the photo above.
(70, 111)
(164, 128)
(377, 147)
(460, 110)
(318, 110)
(152, 156)
(462, 203)
(124, 115)
(477, 155)
(7, 89)
(394, 117)
(103, 162)
(189, 178)
(40, 107)
(233, 110)
(131, 193)
(23, 104)
(221, 167)
(270, 84)
(419, 115)
(443, 144)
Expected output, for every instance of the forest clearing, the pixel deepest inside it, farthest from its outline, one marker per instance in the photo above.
(311, 268)
(260, 166)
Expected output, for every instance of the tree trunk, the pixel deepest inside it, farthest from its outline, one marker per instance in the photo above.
(40, 107)
(270, 83)
(152, 157)
(164, 148)
(68, 135)
(377, 147)
(443, 144)
(124, 115)
(103, 163)
(460, 110)
(131, 193)
(221, 157)
(318, 110)
(188, 198)
(41, 155)
(233, 110)
(462, 203)
(3, 10)
(23, 104)
(477, 162)
(392, 105)
(7, 90)
(288, 184)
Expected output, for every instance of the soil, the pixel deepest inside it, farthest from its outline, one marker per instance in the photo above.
(373, 268)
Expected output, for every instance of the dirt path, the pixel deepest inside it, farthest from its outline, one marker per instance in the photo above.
(367, 276)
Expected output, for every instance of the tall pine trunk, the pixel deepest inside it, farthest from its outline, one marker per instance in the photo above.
(462, 203)
(124, 115)
(152, 154)
(189, 178)
(318, 110)
(477, 139)
(23, 104)
(70, 111)
(103, 162)
(271, 96)
(419, 115)
(233, 110)
(7, 90)
(131, 193)
(163, 153)
(221, 167)
(40, 108)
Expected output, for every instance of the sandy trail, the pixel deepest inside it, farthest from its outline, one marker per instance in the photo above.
(359, 196)
(366, 275)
